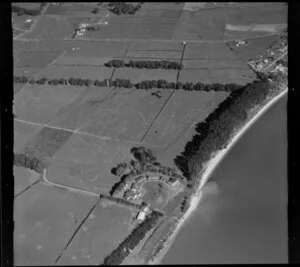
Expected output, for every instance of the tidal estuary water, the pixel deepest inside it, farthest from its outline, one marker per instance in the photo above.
(242, 217)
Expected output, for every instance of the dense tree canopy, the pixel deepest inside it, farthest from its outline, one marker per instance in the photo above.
(28, 162)
(214, 133)
(25, 11)
(122, 251)
(144, 64)
(126, 83)
(119, 8)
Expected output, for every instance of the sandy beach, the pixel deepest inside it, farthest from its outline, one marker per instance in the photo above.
(210, 167)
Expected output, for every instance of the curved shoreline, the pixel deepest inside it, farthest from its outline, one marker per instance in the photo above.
(211, 166)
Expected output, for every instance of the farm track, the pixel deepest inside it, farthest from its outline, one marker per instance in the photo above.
(82, 133)
(69, 188)
(273, 62)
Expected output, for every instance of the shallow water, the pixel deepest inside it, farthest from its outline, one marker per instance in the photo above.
(243, 214)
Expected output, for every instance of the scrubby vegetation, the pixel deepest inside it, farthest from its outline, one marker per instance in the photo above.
(185, 204)
(123, 250)
(123, 202)
(214, 133)
(24, 11)
(125, 180)
(126, 83)
(144, 64)
(95, 10)
(28, 162)
(120, 8)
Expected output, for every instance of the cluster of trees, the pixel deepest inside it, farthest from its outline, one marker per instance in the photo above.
(119, 8)
(123, 202)
(185, 204)
(145, 161)
(188, 86)
(95, 10)
(283, 62)
(143, 155)
(138, 233)
(28, 162)
(144, 64)
(24, 11)
(278, 77)
(126, 83)
(214, 133)
(91, 28)
(125, 179)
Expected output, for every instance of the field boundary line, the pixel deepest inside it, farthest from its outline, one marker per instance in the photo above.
(60, 56)
(162, 108)
(27, 188)
(110, 92)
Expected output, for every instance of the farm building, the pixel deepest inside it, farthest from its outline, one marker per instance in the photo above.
(141, 215)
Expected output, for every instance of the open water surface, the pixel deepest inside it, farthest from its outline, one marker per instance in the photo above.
(242, 217)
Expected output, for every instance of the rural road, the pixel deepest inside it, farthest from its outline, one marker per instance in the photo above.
(70, 188)
(273, 62)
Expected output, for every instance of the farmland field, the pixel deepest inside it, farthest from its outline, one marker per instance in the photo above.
(57, 10)
(105, 228)
(139, 75)
(23, 132)
(40, 103)
(84, 134)
(45, 221)
(254, 47)
(182, 110)
(85, 162)
(24, 178)
(234, 75)
(36, 58)
(126, 114)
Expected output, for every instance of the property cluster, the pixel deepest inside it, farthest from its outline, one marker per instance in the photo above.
(142, 169)
(275, 51)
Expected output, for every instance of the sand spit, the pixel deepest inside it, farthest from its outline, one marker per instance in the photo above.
(210, 167)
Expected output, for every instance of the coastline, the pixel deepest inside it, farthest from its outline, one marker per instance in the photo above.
(209, 169)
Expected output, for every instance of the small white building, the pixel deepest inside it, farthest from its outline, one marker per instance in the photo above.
(141, 215)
